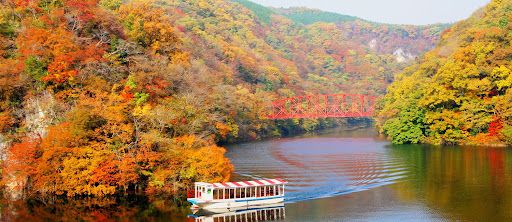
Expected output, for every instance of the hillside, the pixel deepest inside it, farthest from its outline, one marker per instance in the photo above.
(107, 97)
(404, 41)
(309, 16)
(459, 93)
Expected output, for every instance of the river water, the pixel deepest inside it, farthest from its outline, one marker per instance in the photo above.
(353, 175)
(334, 176)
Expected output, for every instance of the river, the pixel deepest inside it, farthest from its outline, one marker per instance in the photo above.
(336, 176)
(353, 175)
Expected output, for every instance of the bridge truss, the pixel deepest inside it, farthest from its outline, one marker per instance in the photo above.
(324, 106)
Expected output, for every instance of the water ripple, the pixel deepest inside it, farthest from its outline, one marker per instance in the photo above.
(319, 167)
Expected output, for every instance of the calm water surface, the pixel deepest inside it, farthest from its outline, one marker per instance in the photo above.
(337, 176)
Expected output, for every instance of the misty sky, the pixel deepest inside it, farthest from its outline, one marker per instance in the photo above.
(392, 11)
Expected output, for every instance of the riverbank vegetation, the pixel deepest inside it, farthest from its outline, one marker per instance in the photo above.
(460, 92)
(109, 97)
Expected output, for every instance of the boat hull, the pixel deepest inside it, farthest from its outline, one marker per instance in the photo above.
(234, 203)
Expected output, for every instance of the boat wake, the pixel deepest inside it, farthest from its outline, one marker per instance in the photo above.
(319, 167)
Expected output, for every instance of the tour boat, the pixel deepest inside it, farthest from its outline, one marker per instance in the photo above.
(237, 194)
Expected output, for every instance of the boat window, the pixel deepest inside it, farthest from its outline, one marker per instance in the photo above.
(232, 193)
(238, 193)
(215, 194)
(277, 189)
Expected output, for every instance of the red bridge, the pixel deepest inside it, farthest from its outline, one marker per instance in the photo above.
(323, 106)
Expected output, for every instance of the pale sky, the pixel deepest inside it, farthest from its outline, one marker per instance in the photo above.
(419, 12)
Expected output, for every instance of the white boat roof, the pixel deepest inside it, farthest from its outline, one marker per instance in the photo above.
(253, 183)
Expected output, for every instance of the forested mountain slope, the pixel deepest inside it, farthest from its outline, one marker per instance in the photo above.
(109, 96)
(459, 93)
(407, 40)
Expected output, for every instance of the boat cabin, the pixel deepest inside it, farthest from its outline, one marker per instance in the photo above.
(239, 190)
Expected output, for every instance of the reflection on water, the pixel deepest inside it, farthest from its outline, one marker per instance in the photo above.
(135, 208)
(472, 184)
(263, 213)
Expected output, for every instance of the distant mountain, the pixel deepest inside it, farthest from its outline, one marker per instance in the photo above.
(405, 42)
(309, 16)
(263, 13)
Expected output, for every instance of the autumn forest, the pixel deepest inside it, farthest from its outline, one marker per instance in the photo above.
(111, 97)
(460, 92)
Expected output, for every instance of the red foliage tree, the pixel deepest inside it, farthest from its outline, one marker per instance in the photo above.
(495, 127)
